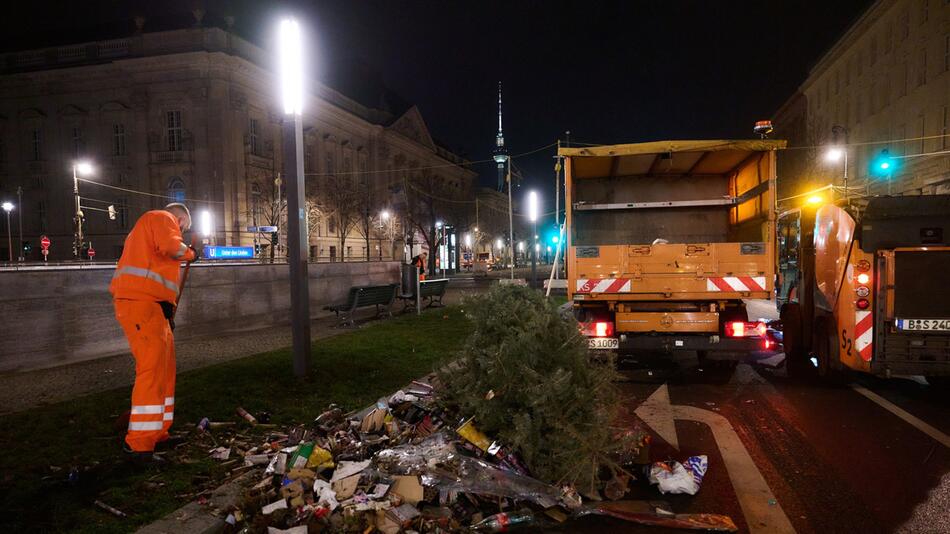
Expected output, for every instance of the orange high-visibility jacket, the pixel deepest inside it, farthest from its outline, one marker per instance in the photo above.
(150, 262)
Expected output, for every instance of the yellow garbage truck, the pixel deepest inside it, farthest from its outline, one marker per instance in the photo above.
(664, 241)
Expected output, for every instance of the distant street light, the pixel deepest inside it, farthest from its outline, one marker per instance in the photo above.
(8, 207)
(468, 241)
(533, 209)
(499, 244)
(80, 168)
(292, 74)
(384, 215)
(207, 228)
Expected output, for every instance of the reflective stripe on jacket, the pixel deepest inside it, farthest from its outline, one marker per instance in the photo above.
(151, 260)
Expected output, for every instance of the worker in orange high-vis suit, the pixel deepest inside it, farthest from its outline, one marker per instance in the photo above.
(145, 289)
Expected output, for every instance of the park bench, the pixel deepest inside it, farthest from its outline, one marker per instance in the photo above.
(430, 290)
(363, 296)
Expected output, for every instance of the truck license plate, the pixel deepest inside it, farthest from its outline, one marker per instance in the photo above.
(929, 325)
(603, 343)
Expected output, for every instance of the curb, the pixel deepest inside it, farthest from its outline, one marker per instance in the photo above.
(194, 518)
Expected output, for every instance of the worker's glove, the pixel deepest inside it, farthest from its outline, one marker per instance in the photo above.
(168, 310)
(195, 252)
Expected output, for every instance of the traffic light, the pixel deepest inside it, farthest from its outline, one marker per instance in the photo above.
(884, 164)
(27, 247)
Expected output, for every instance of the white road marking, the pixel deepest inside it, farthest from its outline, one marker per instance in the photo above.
(907, 417)
(748, 483)
(657, 412)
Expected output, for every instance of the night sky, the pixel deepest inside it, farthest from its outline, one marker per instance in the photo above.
(609, 72)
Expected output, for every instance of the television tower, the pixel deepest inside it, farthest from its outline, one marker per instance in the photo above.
(500, 153)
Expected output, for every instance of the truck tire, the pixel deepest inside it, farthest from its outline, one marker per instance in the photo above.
(939, 382)
(796, 359)
(826, 347)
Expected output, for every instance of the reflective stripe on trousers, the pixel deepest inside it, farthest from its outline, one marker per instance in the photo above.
(145, 273)
(153, 395)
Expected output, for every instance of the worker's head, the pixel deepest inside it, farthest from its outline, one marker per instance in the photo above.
(180, 211)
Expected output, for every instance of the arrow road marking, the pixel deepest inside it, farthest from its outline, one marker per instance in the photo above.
(750, 487)
(657, 412)
(910, 419)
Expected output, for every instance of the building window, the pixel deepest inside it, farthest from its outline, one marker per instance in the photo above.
(331, 169)
(118, 139)
(77, 141)
(252, 135)
(257, 207)
(945, 140)
(349, 252)
(173, 130)
(41, 216)
(331, 226)
(922, 68)
(36, 145)
(122, 213)
(176, 190)
(902, 87)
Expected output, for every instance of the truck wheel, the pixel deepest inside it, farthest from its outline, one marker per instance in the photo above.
(939, 382)
(827, 349)
(796, 360)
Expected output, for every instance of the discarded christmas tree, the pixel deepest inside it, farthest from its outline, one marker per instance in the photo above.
(525, 376)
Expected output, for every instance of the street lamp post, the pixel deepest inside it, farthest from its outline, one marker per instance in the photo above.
(8, 207)
(838, 152)
(291, 79)
(85, 169)
(19, 215)
(533, 209)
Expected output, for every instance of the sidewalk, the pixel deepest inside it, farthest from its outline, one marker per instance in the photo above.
(21, 391)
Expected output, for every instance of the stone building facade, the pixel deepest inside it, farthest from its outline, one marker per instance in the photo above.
(884, 85)
(193, 115)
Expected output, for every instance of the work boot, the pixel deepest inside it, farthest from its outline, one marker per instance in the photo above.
(169, 443)
(142, 458)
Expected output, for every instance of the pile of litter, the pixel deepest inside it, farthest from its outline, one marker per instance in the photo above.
(405, 465)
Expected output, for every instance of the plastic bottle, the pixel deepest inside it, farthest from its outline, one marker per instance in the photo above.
(504, 521)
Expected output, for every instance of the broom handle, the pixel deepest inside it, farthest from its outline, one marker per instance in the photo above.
(184, 276)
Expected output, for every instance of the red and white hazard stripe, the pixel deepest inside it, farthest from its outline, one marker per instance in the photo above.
(603, 285)
(863, 333)
(735, 283)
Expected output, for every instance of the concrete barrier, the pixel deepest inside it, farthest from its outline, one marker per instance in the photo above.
(55, 317)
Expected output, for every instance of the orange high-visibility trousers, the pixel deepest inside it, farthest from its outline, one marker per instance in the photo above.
(153, 395)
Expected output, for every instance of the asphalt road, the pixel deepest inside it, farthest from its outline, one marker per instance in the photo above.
(833, 459)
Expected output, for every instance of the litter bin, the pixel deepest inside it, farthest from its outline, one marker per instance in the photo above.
(409, 275)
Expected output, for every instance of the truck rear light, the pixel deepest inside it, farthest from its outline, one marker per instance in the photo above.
(744, 329)
(598, 329)
(603, 329)
(862, 304)
(862, 291)
(863, 278)
(863, 265)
